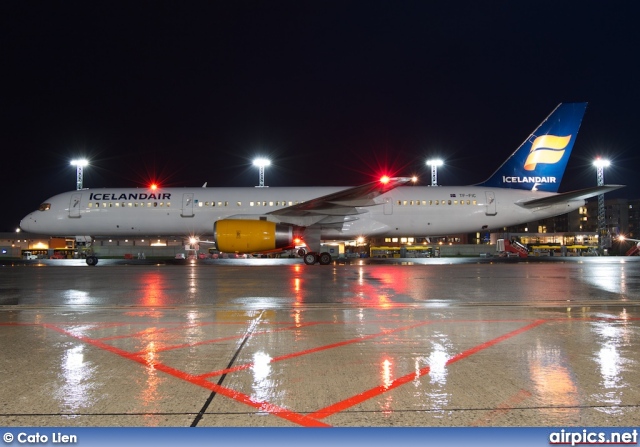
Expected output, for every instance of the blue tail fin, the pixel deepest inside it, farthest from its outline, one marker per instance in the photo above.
(539, 163)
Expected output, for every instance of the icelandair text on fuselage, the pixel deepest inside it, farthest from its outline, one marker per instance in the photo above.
(130, 196)
(506, 179)
(38, 438)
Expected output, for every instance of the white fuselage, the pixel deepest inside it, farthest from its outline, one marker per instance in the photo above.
(405, 210)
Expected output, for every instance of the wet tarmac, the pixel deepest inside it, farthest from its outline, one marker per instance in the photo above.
(441, 342)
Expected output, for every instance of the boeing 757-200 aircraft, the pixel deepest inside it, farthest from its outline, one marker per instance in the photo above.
(252, 220)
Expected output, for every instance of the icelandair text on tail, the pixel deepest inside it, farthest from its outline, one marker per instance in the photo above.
(566, 437)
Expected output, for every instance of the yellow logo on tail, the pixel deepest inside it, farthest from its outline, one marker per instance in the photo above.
(546, 149)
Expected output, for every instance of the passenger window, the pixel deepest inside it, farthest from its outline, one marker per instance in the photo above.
(46, 207)
(437, 202)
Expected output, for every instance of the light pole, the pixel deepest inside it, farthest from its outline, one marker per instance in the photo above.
(261, 163)
(434, 170)
(79, 164)
(600, 164)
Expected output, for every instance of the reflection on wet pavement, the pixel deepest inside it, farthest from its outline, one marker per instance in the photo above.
(374, 345)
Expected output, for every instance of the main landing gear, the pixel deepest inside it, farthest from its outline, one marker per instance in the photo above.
(92, 260)
(313, 258)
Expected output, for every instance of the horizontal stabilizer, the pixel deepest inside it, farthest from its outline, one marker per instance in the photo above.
(580, 194)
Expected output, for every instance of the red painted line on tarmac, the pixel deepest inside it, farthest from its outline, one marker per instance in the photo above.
(96, 326)
(376, 391)
(495, 341)
(159, 330)
(274, 410)
(176, 327)
(502, 408)
(231, 337)
(314, 350)
(366, 395)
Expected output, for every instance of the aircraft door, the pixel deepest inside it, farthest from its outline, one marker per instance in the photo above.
(187, 205)
(388, 206)
(491, 203)
(74, 205)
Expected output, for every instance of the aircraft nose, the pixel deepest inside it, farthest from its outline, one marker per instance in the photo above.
(27, 224)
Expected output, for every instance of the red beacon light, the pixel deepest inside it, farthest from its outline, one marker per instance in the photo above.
(153, 186)
(384, 179)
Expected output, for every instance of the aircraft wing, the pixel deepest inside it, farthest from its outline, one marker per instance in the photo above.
(580, 194)
(342, 203)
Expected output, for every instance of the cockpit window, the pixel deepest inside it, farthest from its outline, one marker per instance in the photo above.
(45, 207)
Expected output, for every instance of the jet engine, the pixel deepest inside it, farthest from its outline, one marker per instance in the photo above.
(251, 236)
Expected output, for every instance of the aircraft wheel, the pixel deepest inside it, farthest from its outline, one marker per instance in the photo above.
(310, 258)
(324, 258)
(92, 260)
(302, 252)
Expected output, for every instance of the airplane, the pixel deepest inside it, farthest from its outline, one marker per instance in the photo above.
(259, 219)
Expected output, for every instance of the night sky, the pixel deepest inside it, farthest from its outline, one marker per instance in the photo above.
(334, 92)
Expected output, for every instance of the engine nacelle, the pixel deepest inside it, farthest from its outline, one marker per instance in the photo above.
(251, 236)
